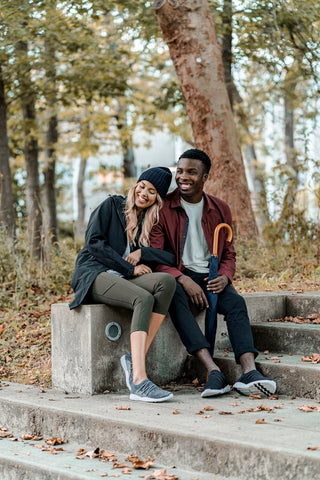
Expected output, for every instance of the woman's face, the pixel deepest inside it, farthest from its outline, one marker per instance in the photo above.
(145, 195)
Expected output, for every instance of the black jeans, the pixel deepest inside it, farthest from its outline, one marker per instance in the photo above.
(230, 304)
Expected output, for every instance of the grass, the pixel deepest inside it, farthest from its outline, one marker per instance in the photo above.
(28, 289)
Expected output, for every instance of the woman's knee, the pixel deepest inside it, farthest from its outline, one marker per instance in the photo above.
(166, 284)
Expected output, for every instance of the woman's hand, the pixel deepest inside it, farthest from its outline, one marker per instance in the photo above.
(134, 257)
(141, 270)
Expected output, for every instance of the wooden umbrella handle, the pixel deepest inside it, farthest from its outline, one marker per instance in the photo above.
(216, 236)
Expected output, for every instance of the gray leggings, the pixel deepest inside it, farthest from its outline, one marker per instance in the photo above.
(151, 292)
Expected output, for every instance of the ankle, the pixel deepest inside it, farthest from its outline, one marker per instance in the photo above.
(138, 379)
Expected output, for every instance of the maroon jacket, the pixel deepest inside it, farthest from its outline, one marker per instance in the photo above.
(171, 231)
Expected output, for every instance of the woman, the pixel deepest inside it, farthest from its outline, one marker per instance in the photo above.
(114, 268)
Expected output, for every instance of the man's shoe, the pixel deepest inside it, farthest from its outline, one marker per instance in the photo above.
(147, 391)
(216, 385)
(254, 382)
(126, 363)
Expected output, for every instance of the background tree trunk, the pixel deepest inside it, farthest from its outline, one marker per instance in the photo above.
(80, 227)
(189, 31)
(227, 47)
(7, 218)
(50, 202)
(31, 157)
(255, 168)
(128, 160)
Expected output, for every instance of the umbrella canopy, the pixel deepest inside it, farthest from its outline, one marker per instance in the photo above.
(211, 314)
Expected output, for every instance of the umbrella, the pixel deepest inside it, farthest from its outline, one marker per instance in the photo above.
(211, 314)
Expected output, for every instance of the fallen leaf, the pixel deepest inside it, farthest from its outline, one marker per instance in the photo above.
(225, 413)
(137, 463)
(175, 412)
(313, 448)
(208, 409)
(54, 441)
(260, 421)
(123, 408)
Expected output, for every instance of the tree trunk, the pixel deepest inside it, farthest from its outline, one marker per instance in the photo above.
(227, 47)
(80, 227)
(256, 170)
(290, 152)
(189, 31)
(32, 162)
(50, 202)
(7, 218)
(128, 163)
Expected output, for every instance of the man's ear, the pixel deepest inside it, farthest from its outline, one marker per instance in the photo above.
(205, 177)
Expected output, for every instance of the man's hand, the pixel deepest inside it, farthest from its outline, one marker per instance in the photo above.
(141, 270)
(134, 257)
(217, 285)
(194, 292)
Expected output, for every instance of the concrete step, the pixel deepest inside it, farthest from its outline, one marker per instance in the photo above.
(224, 442)
(293, 376)
(286, 337)
(26, 460)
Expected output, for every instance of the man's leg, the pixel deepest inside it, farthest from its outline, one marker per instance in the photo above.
(195, 342)
(233, 307)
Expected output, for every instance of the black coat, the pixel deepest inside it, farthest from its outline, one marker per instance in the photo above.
(106, 241)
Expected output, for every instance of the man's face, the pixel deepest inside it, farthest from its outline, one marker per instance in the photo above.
(190, 178)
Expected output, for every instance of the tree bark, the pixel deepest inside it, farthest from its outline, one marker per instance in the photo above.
(189, 31)
(32, 162)
(256, 170)
(7, 218)
(128, 160)
(80, 226)
(227, 48)
(50, 202)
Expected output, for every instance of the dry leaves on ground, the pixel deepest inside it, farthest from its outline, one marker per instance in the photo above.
(313, 318)
(160, 475)
(314, 358)
(137, 463)
(309, 408)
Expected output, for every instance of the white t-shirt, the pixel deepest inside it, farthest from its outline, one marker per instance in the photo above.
(196, 253)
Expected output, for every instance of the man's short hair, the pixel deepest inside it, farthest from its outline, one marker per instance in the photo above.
(196, 154)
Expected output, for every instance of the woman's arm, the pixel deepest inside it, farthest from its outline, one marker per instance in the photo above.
(103, 227)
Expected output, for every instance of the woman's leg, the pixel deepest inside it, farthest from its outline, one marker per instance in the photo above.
(113, 290)
(162, 287)
(154, 325)
(138, 347)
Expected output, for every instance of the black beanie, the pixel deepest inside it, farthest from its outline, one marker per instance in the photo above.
(160, 177)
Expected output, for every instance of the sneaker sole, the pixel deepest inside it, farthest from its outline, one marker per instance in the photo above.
(124, 366)
(213, 393)
(267, 387)
(138, 398)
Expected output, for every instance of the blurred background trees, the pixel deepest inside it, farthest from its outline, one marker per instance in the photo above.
(78, 77)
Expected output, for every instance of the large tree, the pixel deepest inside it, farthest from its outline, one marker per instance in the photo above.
(7, 219)
(189, 32)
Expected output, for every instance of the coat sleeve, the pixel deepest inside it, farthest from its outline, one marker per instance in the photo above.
(97, 239)
(157, 256)
(158, 240)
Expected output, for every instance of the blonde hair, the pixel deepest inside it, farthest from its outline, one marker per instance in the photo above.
(151, 218)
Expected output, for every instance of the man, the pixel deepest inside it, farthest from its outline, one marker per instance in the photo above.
(186, 227)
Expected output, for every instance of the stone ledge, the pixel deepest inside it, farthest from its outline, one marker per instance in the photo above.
(85, 361)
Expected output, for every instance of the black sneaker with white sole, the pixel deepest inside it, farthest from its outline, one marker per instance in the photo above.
(253, 383)
(216, 385)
